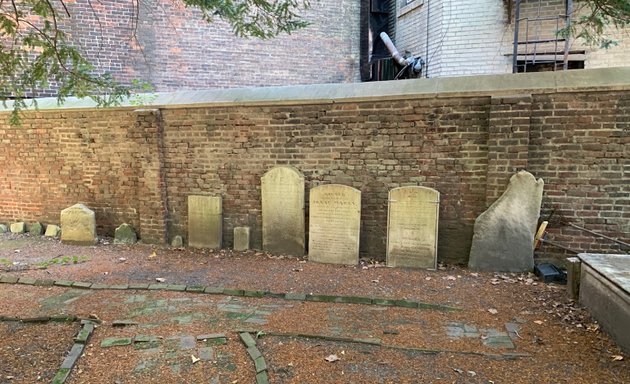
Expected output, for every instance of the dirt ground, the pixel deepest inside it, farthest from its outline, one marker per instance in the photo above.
(505, 328)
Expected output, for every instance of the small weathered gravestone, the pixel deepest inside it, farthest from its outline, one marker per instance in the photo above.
(18, 227)
(78, 224)
(177, 242)
(241, 238)
(125, 234)
(334, 224)
(412, 227)
(36, 229)
(205, 222)
(503, 238)
(3, 228)
(52, 230)
(282, 191)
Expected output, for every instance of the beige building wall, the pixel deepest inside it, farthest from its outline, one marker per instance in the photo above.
(471, 38)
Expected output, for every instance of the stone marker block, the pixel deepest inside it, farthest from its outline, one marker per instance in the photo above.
(36, 229)
(3, 228)
(125, 234)
(177, 242)
(241, 238)
(78, 225)
(52, 230)
(334, 224)
(573, 277)
(282, 192)
(205, 222)
(18, 227)
(503, 239)
(412, 227)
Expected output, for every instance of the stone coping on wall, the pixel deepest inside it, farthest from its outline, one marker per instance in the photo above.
(487, 85)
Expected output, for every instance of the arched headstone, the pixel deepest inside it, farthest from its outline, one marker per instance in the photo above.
(282, 192)
(412, 227)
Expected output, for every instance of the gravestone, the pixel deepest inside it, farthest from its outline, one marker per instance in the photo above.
(205, 222)
(52, 230)
(503, 237)
(241, 238)
(18, 227)
(36, 228)
(334, 224)
(412, 226)
(177, 242)
(3, 228)
(125, 234)
(78, 224)
(282, 190)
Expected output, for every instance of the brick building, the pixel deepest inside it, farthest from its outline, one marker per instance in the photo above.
(171, 47)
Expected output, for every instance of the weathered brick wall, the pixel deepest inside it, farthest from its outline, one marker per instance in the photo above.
(173, 48)
(140, 166)
(580, 146)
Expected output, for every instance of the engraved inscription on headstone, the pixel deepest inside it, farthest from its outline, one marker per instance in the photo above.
(282, 190)
(205, 222)
(412, 227)
(334, 224)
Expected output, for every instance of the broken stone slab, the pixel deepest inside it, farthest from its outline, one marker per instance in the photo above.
(18, 227)
(205, 222)
(78, 225)
(503, 239)
(52, 230)
(36, 229)
(125, 234)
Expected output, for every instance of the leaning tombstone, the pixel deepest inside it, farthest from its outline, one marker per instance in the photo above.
(36, 229)
(503, 235)
(3, 228)
(125, 234)
(241, 238)
(412, 227)
(18, 227)
(334, 224)
(282, 192)
(205, 222)
(52, 230)
(78, 225)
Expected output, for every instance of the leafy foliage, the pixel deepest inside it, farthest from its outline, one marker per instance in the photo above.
(595, 17)
(36, 53)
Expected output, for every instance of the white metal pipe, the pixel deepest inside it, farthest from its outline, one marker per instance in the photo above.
(394, 52)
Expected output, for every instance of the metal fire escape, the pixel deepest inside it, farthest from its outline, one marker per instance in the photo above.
(537, 45)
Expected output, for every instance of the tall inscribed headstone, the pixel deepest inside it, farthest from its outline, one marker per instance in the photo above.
(412, 227)
(334, 224)
(282, 190)
(205, 222)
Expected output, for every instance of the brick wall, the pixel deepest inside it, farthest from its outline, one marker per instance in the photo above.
(140, 166)
(172, 48)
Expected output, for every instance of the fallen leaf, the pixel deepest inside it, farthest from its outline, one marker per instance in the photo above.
(472, 373)
(617, 358)
(451, 278)
(539, 322)
(331, 358)
(375, 281)
(154, 254)
(160, 279)
(427, 278)
(194, 359)
(474, 274)
(458, 370)
(493, 311)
